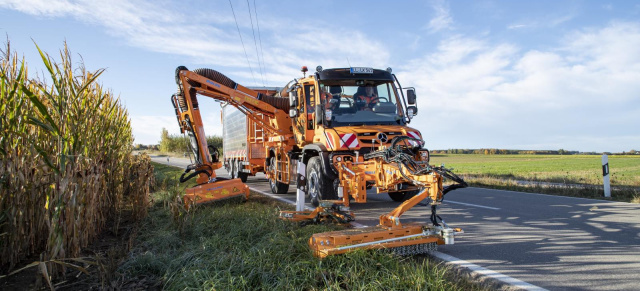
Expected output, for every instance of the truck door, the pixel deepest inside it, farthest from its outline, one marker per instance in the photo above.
(304, 124)
(310, 102)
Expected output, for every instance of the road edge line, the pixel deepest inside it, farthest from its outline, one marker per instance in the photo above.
(482, 273)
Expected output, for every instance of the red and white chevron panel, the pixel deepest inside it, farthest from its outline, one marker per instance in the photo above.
(414, 134)
(329, 138)
(349, 140)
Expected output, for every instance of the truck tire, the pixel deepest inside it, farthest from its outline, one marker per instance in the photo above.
(403, 196)
(276, 187)
(319, 187)
(239, 174)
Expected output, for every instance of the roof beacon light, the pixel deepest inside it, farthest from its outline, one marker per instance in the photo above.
(389, 69)
(319, 69)
(304, 71)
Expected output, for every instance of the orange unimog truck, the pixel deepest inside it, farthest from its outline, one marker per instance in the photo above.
(347, 129)
(335, 124)
(343, 129)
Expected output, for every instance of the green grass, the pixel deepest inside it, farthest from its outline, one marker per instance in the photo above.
(501, 171)
(245, 246)
(587, 169)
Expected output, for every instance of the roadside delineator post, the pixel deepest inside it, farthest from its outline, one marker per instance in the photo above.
(301, 183)
(605, 176)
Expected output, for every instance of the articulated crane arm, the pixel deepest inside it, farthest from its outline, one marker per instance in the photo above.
(212, 84)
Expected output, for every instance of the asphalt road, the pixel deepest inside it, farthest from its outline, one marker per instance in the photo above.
(551, 242)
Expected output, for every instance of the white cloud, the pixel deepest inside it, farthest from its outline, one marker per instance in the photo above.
(481, 94)
(550, 21)
(442, 19)
(518, 26)
(47, 8)
(212, 38)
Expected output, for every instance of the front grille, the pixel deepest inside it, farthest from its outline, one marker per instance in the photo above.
(373, 134)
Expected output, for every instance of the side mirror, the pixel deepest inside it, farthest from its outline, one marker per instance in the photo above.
(411, 96)
(293, 104)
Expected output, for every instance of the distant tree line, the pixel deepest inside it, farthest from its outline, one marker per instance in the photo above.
(525, 152)
(142, 147)
(175, 143)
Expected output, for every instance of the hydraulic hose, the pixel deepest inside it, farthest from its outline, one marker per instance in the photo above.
(190, 176)
(277, 102)
(398, 154)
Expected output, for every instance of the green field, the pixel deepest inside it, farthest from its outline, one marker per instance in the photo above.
(571, 169)
(502, 172)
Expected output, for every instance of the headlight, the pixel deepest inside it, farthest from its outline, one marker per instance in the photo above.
(424, 156)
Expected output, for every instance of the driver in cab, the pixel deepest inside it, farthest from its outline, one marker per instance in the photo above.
(366, 98)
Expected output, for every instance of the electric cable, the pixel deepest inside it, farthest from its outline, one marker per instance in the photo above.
(255, 10)
(255, 43)
(241, 41)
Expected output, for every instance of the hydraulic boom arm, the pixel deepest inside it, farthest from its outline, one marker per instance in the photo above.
(212, 84)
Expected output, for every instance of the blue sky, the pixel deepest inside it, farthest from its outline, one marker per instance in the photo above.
(488, 74)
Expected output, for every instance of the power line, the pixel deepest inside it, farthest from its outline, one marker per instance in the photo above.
(255, 10)
(255, 42)
(245, 51)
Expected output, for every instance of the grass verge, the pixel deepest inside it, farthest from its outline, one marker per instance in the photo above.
(244, 246)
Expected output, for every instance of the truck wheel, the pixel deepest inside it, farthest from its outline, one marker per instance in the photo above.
(239, 174)
(319, 187)
(276, 187)
(403, 196)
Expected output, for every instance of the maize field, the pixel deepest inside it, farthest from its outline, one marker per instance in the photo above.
(65, 162)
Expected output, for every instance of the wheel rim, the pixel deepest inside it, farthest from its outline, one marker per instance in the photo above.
(272, 168)
(313, 185)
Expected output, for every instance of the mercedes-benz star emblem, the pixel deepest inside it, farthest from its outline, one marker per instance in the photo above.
(382, 137)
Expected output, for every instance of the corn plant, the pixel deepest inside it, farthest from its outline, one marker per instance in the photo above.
(66, 165)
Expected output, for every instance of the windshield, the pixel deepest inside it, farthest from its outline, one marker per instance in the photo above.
(370, 104)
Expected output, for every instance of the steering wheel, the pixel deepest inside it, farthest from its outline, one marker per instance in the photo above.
(385, 99)
(349, 100)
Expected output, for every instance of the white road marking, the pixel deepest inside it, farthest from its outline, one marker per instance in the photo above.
(469, 204)
(480, 271)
